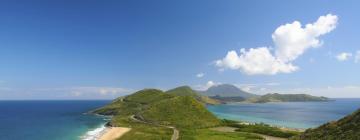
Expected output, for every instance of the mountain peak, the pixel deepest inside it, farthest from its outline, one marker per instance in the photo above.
(227, 90)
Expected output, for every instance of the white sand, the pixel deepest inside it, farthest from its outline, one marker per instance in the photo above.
(113, 133)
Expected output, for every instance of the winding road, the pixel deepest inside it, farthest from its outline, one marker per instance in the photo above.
(176, 132)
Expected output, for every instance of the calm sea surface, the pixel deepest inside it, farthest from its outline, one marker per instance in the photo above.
(290, 114)
(65, 120)
(48, 120)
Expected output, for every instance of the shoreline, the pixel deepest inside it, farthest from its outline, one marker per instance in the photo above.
(105, 133)
(112, 133)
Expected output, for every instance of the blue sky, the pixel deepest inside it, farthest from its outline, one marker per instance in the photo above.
(91, 49)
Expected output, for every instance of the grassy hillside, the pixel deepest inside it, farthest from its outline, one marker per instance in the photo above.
(347, 128)
(147, 96)
(182, 112)
(275, 97)
(187, 91)
(133, 103)
(178, 108)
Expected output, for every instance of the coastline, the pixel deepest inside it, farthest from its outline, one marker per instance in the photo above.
(112, 133)
(105, 133)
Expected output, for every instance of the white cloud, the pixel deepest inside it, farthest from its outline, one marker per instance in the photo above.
(206, 86)
(357, 56)
(247, 88)
(200, 75)
(255, 61)
(291, 41)
(272, 84)
(86, 91)
(343, 56)
(77, 91)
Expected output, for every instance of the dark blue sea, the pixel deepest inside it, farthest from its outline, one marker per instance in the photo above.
(66, 120)
(49, 120)
(288, 114)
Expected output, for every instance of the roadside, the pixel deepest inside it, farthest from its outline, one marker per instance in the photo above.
(176, 132)
(232, 129)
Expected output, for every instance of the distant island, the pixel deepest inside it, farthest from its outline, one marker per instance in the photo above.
(180, 114)
(276, 97)
(226, 93)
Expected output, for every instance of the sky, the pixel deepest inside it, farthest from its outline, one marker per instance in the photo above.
(92, 49)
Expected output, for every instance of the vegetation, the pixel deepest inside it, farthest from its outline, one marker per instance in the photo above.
(207, 134)
(264, 129)
(182, 112)
(147, 132)
(347, 128)
(154, 111)
(276, 97)
(228, 99)
(147, 96)
(187, 91)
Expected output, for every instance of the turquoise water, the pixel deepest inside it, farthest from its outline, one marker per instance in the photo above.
(49, 120)
(289, 114)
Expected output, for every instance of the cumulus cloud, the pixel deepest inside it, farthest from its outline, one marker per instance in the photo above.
(291, 41)
(200, 75)
(357, 56)
(255, 61)
(206, 86)
(343, 56)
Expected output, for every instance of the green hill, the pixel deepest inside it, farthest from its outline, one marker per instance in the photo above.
(133, 103)
(187, 91)
(159, 107)
(347, 128)
(275, 97)
(151, 114)
(182, 112)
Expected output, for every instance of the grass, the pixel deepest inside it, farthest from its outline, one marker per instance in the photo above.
(186, 113)
(182, 112)
(187, 91)
(148, 96)
(264, 129)
(206, 134)
(147, 132)
(347, 128)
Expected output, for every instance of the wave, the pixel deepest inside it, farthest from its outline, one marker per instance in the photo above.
(94, 134)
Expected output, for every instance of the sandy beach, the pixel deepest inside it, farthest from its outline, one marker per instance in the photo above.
(113, 133)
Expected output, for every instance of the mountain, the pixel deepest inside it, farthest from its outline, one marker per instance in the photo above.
(156, 106)
(187, 91)
(276, 97)
(133, 103)
(347, 128)
(182, 112)
(227, 90)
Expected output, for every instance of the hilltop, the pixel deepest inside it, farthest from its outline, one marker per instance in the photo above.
(227, 90)
(276, 97)
(159, 107)
(176, 114)
(182, 112)
(187, 91)
(346, 128)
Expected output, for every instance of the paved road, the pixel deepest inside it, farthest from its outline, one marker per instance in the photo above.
(176, 132)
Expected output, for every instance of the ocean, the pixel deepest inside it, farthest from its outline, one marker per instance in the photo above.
(67, 120)
(288, 114)
(49, 120)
